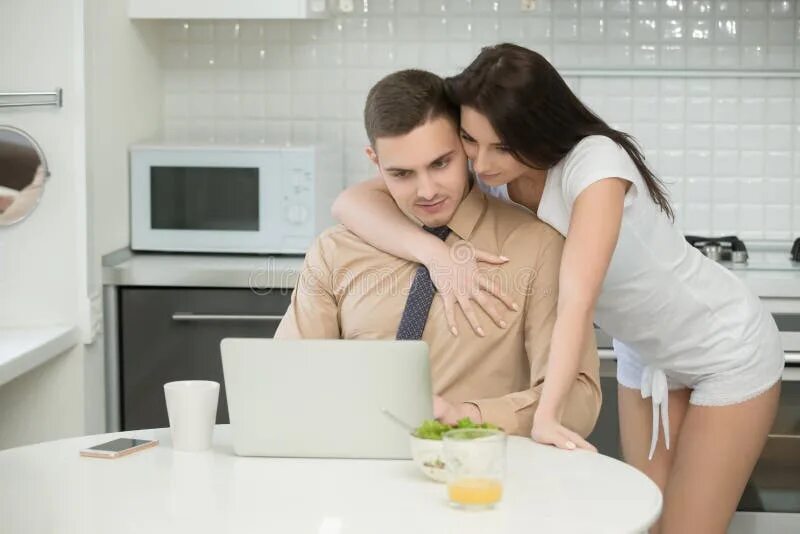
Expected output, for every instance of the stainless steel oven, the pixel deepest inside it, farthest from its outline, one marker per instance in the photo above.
(771, 500)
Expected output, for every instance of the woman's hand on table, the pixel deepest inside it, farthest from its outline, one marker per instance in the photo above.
(549, 431)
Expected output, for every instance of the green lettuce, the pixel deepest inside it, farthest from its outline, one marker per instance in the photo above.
(433, 429)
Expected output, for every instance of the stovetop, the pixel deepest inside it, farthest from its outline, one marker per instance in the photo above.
(722, 248)
(760, 255)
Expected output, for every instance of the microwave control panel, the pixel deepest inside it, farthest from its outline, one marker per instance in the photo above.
(298, 191)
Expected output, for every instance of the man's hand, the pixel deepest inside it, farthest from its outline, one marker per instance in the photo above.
(450, 414)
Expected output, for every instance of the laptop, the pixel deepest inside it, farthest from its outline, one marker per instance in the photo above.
(325, 398)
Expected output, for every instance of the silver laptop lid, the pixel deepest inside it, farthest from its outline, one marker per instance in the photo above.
(323, 398)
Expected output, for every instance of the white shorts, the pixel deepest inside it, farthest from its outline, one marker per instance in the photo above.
(753, 377)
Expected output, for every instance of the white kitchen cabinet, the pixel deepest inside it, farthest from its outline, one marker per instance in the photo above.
(227, 9)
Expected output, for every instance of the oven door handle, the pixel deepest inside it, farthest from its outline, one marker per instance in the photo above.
(608, 354)
(783, 436)
(608, 365)
(196, 317)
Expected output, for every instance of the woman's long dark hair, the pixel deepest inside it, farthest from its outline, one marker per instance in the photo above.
(535, 113)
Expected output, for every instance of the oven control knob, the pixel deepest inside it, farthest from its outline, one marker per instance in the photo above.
(297, 214)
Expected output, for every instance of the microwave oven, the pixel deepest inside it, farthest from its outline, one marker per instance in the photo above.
(228, 199)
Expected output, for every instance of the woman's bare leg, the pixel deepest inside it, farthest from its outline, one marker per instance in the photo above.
(718, 448)
(636, 423)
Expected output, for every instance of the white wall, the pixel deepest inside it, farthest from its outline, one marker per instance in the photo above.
(123, 106)
(726, 143)
(43, 260)
(124, 88)
(50, 264)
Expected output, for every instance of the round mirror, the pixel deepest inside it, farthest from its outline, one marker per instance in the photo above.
(23, 171)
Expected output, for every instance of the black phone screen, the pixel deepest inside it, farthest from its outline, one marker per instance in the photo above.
(119, 445)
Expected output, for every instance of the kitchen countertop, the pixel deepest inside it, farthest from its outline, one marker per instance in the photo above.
(124, 268)
(769, 273)
(22, 349)
(772, 284)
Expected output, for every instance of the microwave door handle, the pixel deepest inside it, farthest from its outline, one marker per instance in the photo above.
(197, 317)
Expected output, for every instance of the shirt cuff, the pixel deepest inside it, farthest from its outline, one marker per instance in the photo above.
(500, 412)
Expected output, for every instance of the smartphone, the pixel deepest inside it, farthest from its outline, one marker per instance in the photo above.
(118, 447)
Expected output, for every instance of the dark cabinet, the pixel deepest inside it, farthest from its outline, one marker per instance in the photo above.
(174, 334)
(605, 435)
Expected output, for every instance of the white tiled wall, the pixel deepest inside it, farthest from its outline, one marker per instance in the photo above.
(711, 88)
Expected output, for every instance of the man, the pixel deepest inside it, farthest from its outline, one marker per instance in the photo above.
(351, 290)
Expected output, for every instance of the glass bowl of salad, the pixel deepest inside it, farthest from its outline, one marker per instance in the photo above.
(427, 445)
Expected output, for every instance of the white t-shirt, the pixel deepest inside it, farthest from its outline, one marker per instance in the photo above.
(661, 297)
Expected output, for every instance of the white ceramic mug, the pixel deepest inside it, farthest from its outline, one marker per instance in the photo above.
(192, 410)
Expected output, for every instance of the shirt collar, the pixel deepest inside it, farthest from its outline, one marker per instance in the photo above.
(468, 212)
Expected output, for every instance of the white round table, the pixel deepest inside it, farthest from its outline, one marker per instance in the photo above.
(48, 487)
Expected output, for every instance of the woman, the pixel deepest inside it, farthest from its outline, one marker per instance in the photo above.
(687, 332)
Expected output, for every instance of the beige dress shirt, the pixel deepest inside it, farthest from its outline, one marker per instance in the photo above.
(351, 290)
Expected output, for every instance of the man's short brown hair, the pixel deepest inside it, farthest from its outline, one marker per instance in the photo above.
(405, 100)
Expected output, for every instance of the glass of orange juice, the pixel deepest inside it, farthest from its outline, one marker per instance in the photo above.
(475, 460)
